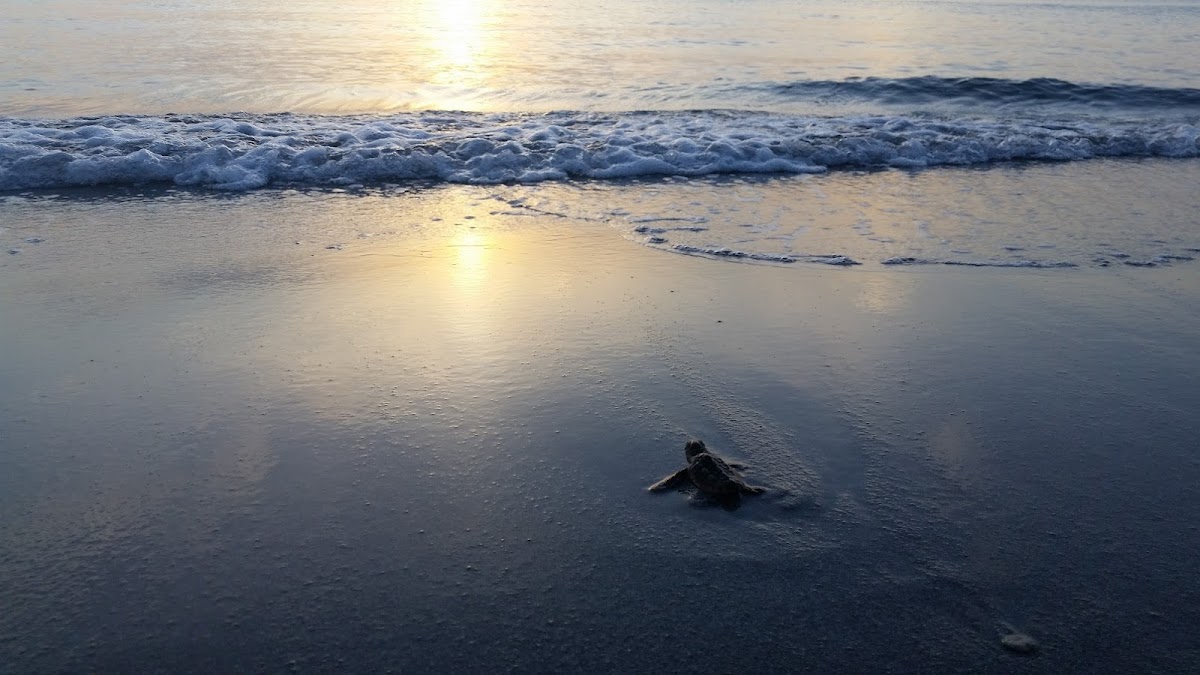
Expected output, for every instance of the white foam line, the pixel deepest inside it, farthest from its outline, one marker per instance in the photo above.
(245, 152)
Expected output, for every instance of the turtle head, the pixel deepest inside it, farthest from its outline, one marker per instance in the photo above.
(693, 448)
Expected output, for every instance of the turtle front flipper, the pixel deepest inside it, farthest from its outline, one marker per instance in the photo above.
(751, 489)
(675, 480)
(737, 465)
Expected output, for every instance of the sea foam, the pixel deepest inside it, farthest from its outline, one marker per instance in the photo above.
(245, 152)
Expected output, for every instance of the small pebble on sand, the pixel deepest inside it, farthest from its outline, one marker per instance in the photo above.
(1019, 643)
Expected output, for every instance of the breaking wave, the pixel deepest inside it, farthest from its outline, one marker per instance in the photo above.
(991, 91)
(245, 151)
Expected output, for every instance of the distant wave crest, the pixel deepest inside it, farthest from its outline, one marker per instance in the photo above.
(990, 91)
(244, 152)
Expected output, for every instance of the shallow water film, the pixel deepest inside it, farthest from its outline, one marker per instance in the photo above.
(335, 431)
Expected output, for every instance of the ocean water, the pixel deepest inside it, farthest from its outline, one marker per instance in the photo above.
(128, 57)
(248, 95)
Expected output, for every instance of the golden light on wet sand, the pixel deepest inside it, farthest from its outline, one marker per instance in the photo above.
(470, 266)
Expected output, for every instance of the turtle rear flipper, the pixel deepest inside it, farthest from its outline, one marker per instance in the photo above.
(675, 480)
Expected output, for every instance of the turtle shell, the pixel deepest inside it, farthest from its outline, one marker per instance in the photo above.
(713, 476)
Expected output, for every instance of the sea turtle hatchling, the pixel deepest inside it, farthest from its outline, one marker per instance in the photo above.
(713, 476)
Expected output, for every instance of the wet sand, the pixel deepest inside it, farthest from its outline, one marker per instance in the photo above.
(336, 432)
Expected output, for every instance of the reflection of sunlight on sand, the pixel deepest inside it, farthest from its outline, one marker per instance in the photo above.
(883, 293)
(470, 267)
(393, 335)
(471, 307)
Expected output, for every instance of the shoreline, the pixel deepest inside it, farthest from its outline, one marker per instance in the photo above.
(1113, 214)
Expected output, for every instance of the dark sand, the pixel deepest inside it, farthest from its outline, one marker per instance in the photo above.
(226, 447)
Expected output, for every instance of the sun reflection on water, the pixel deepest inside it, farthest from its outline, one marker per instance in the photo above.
(458, 49)
(456, 37)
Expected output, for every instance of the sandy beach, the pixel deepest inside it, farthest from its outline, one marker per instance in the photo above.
(413, 431)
